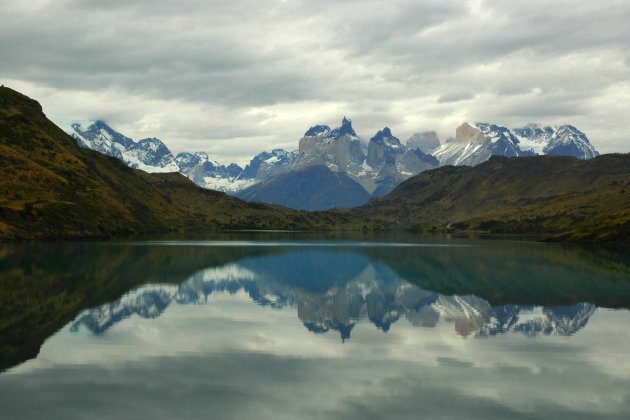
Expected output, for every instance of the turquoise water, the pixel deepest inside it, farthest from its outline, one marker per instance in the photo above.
(298, 327)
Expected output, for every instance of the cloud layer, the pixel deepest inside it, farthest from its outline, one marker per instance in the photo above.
(235, 77)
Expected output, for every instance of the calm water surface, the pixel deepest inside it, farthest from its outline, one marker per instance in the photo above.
(296, 327)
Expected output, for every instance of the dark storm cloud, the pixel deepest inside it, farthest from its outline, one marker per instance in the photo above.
(263, 71)
(150, 55)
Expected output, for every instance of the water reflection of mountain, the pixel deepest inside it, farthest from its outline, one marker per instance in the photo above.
(44, 286)
(334, 290)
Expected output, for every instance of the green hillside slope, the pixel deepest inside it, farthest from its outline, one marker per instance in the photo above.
(561, 197)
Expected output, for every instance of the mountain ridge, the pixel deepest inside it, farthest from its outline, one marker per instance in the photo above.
(378, 165)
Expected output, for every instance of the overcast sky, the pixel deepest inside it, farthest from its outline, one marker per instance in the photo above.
(235, 77)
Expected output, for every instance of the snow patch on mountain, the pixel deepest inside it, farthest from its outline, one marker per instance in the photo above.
(152, 155)
(458, 153)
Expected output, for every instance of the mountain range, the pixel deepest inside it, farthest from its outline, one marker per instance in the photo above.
(53, 188)
(356, 171)
(474, 144)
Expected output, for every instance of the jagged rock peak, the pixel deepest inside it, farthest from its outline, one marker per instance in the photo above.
(266, 164)
(568, 128)
(90, 131)
(202, 155)
(386, 137)
(385, 132)
(344, 130)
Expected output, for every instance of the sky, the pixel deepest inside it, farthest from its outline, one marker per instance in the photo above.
(235, 77)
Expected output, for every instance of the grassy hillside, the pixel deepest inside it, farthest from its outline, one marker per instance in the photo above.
(51, 188)
(561, 197)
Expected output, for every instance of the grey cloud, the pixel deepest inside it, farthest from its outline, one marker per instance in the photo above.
(454, 97)
(382, 63)
(202, 67)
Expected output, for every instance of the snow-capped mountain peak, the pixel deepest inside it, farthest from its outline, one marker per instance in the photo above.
(386, 138)
(564, 140)
(203, 156)
(152, 155)
(99, 132)
(496, 133)
(186, 160)
(345, 129)
(317, 131)
(475, 143)
(149, 154)
(266, 164)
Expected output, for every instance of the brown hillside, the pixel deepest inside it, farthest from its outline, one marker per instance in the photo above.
(563, 197)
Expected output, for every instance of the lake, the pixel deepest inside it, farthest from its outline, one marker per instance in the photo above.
(287, 326)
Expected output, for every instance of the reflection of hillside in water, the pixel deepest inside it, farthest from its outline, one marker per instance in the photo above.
(334, 290)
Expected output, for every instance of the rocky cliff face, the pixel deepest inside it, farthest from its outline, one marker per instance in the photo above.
(468, 133)
(391, 162)
(340, 148)
(383, 149)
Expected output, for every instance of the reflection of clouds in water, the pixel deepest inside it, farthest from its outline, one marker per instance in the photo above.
(257, 385)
